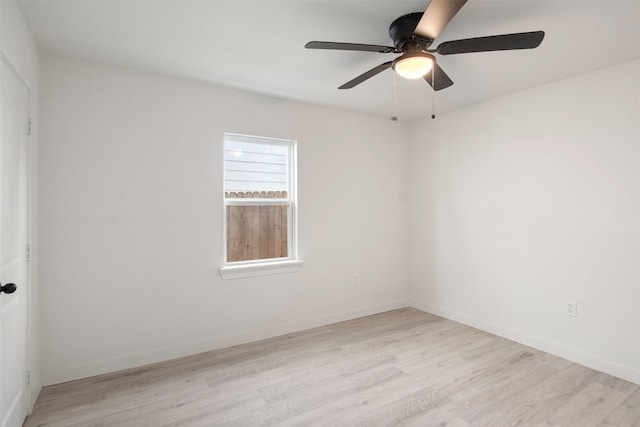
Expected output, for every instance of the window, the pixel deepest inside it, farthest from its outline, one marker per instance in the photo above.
(259, 205)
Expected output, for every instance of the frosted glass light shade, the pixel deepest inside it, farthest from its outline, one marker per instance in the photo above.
(414, 66)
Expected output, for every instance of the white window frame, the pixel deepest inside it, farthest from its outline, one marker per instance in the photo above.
(260, 267)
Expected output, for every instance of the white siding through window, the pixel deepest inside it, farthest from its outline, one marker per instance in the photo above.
(252, 166)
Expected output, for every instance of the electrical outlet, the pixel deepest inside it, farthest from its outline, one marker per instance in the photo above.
(571, 308)
(356, 280)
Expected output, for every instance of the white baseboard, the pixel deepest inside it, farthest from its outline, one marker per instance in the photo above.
(621, 371)
(163, 354)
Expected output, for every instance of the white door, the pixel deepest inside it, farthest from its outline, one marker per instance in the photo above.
(13, 243)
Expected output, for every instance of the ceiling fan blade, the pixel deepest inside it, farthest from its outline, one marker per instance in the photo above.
(362, 77)
(440, 79)
(437, 16)
(349, 46)
(491, 43)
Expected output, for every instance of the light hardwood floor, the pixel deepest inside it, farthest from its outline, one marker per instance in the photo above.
(403, 367)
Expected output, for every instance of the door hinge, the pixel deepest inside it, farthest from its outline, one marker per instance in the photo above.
(28, 125)
(28, 379)
(28, 254)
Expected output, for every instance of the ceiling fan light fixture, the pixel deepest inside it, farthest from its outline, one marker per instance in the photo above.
(413, 65)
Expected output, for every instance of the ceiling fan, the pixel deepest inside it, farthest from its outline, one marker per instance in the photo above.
(414, 33)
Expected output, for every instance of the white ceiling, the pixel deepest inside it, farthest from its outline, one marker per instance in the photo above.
(259, 45)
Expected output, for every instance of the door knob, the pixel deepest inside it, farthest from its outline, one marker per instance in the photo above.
(9, 288)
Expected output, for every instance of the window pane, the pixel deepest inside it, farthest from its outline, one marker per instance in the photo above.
(256, 232)
(259, 197)
(255, 167)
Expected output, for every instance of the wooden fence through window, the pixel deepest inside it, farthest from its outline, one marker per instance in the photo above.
(256, 231)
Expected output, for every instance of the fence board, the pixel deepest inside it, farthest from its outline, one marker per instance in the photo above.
(256, 232)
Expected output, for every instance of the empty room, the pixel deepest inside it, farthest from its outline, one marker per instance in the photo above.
(320, 213)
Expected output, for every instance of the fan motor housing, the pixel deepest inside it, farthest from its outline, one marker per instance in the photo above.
(402, 31)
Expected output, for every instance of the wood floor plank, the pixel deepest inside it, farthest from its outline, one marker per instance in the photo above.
(440, 417)
(402, 410)
(627, 414)
(322, 393)
(587, 408)
(342, 411)
(537, 403)
(402, 367)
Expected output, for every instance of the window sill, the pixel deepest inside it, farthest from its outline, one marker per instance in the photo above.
(260, 269)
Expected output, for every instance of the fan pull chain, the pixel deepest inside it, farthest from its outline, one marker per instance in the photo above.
(433, 86)
(394, 100)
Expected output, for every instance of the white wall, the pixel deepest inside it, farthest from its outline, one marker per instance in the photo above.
(525, 201)
(131, 214)
(19, 48)
(516, 205)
